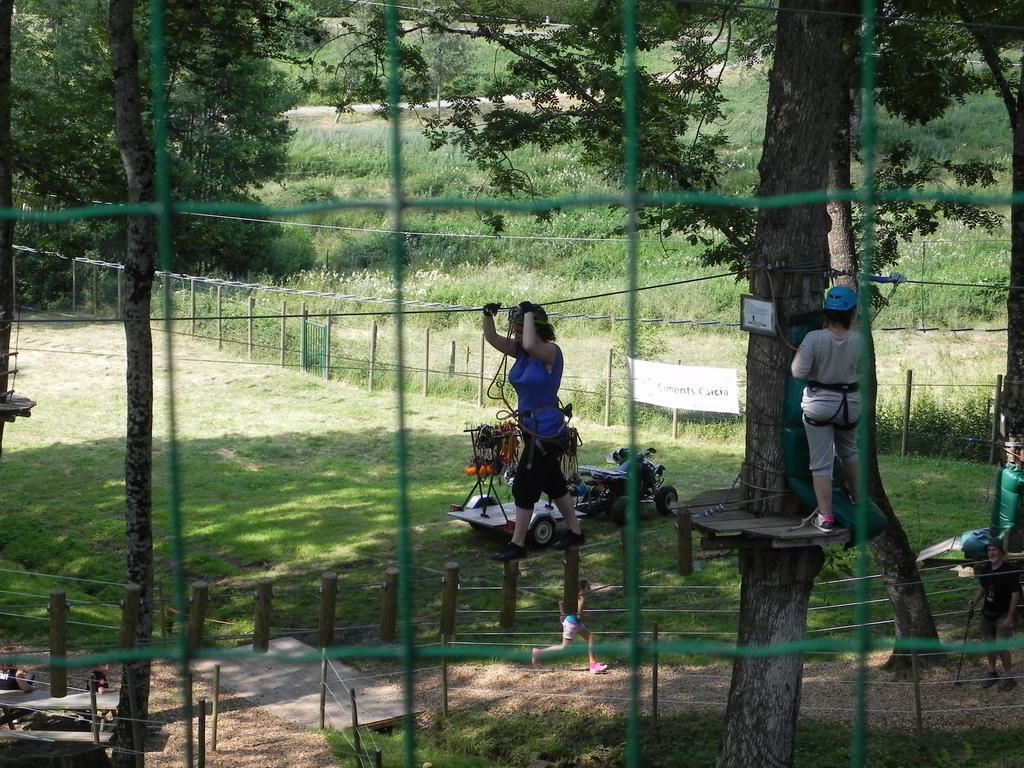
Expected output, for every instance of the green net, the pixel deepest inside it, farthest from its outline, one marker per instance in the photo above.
(635, 645)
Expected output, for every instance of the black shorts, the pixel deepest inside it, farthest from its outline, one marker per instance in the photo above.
(539, 471)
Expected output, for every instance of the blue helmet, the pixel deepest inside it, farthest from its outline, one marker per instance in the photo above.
(840, 299)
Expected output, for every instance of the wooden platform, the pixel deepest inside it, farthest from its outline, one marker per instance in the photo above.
(84, 737)
(720, 517)
(16, 406)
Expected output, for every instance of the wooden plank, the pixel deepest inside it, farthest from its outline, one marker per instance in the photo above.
(38, 700)
(726, 496)
(84, 737)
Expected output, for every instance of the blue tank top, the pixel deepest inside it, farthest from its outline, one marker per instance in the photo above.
(537, 391)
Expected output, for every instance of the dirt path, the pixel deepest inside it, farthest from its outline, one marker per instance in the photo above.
(248, 734)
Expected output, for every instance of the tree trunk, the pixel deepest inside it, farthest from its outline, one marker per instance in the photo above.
(1013, 402)
(8, 310)
(790, 258)
(138, 159)
(891, 549)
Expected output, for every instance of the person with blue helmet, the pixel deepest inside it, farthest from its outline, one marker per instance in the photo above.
(829, 359)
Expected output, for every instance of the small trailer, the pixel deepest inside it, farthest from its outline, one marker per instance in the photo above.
(485, 512)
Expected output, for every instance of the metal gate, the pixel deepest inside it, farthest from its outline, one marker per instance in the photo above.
(314, 348)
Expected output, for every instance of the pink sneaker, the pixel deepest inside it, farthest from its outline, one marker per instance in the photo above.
(596, 667)
(535, 655)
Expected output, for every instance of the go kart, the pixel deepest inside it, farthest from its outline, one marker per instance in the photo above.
(601, 491)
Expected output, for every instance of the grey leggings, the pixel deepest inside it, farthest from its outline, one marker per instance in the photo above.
(827, 441)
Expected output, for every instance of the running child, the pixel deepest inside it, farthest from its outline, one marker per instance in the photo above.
(573, 627)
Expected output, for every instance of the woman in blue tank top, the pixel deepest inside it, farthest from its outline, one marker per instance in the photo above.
(536, 377)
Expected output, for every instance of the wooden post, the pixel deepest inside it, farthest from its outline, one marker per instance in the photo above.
(216, 706)
(378, 758)
(684, 541)
(915, 669)
(675, 417)
(249, 327)
(192, 304)
(373, 353)
(58, 642)
(480, 381)
(201, 736)
(74, 285)
(906, 413)
(283, 343)
(509, 592)
(220, 317)
(189, 713)
(571, 581)
(451, 359)
(356, 742)
(328, 598)
(323, 692)
(389, 613)
(133, 713)
(654, 675)
(444, 677)
(449, 598)
(120, 293)
(94, 712)
(303, 362)
(197, 614)
(96, 290)
(995, 455)
(426, 363)
(261, 617)
(608, 391)
(327, 362)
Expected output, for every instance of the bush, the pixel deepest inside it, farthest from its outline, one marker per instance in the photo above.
(953, 428)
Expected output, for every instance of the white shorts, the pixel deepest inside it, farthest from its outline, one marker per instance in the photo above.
(571, 626)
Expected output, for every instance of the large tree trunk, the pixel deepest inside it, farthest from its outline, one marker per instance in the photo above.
(805, 88)
(891, 549)
(7, 292)
(1013, 398)
(138, 159)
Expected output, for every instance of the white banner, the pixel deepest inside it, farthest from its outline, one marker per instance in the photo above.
(685, 387)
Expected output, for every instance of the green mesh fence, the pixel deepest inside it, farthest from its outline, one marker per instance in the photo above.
(635, 644)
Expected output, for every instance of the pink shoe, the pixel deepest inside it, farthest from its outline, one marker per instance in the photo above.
(596, 667)
(535, 654)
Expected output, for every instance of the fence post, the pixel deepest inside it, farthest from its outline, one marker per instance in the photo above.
(249, 327)
(373, 352)
(283, 343)
(480, 381)
(220, 317)
(303, 362)
(509, 592)
(192, 303)
(201, 736)
(608, 391)
(327, 362)
(197, 614)
(58, 642)
(389, 612)
(906, 412)
(451, 359)
(684, 542)
(426, 363)
(216, 706)
(449, 598)
(994, 455)
(323, 692)
(74, 285)
(571, 581)
(328, 596)
(355, 728)
(261, 618)
(96, 290)
(654, 675)
(444, 677)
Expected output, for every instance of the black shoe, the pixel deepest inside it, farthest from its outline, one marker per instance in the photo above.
(509, 553)
(570, 541)
(1007, 684)
(990, 679)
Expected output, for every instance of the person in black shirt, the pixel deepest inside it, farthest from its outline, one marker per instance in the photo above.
(999, 586)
